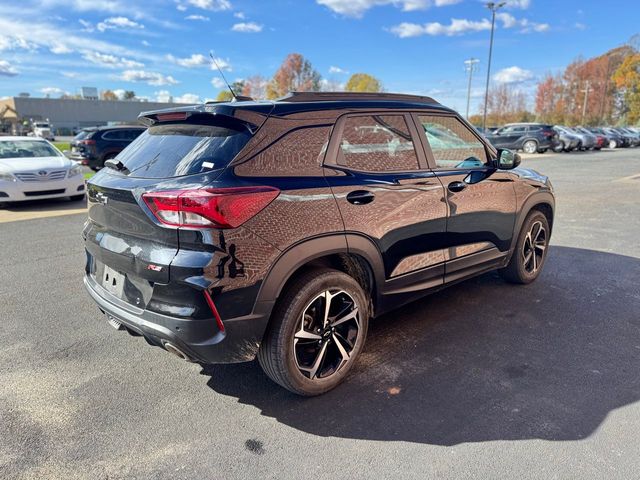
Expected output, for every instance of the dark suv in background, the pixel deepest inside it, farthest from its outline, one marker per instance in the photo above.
(528, 137)
(278, 229)
(94, 146)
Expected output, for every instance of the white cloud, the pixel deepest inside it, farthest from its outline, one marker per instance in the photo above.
(513, 75)
(150, 78)
(17, 42)
(224, 65)
(7, 70)
(187, 98)
(240, 15)
(145, 43)
(247, 27)
(195, 60)
(43, 35)
(456, 27)
(113, 23)
(333, 69)
(71, 74)
(526, 26)
(110, 61)
(119, 92)
(86, 5)
(202, 18)
(217, 82)
(52, 91)
(163, 96)
(522, 4)
(356, 8)
(214, 5)
(580, 26)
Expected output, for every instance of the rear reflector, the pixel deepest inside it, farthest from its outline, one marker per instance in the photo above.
(209, 208)
(214, 310)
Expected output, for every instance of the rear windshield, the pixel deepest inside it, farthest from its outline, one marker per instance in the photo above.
(83, 134)
(175, 150)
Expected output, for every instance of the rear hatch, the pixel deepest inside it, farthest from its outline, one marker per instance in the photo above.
(128, 250)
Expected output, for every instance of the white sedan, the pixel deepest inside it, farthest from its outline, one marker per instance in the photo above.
(33, 169)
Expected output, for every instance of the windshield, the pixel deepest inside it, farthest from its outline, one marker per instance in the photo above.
(182, 149)
(27, 149)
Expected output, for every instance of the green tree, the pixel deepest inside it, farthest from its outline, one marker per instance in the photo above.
(226, 96)
(363, 82)
(129, 95)
(296, 74)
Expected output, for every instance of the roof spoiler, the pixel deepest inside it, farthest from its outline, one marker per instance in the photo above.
(250, 119)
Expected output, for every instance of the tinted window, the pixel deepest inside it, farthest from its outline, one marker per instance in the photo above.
(133, 133)
(83, 134)
(297, 154)
(377, 143)
(180, 149)
(113, 135)
(452, 143)
(535, 129)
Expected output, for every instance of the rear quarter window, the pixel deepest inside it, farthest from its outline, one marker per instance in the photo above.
(298, 153)
(174, 150)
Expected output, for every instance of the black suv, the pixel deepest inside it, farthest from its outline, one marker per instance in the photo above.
(278, 229)
(528, 137)
(94, 146)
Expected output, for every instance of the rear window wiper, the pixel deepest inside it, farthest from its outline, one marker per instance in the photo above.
(116, 165)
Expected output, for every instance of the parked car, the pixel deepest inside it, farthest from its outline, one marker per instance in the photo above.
(613, 139)
(567, 141)
(94, 146)
(634, 137)
(230, 230)
(32, 169)
(528, 137)
(587, 140)
(598, 143)
(621, 140)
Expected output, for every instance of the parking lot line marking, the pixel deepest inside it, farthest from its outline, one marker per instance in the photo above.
(629, 178)
(8, 216)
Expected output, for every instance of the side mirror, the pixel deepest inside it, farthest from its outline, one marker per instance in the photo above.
(507, 159)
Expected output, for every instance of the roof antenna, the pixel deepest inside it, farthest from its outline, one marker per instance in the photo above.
(235, 97)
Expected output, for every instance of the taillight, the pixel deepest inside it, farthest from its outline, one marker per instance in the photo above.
(548, 133)
(88, 142)
(209, 208)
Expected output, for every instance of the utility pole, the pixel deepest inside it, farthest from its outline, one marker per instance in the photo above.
(586, 96)
(494, 8)
(470, 66)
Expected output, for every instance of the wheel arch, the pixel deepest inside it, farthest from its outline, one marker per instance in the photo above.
(352, 254)
(542, 201)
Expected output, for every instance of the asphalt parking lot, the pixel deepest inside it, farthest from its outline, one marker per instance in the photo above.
(483, 380)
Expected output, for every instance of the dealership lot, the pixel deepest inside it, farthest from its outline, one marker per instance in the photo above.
(483, 380)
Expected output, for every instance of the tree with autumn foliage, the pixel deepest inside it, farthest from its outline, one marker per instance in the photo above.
(226, 96)
(363, 82)
(108, 95)
(585, 93)
(255, 87)
(627, 79)
(295, 74)
(505, 104)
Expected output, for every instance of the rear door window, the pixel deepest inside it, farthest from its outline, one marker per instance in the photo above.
(173, 150)
(377, 143)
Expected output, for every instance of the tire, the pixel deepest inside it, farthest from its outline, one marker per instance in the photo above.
(542, 150)
(523, 271)
(301, 370)
(560, 147)
(76, 198)
(613, 144)
(530, 146)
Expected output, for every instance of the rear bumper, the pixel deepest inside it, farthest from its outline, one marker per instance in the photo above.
(200, 340)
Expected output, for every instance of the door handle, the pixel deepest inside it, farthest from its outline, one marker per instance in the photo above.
(457, 186)
(360, 197)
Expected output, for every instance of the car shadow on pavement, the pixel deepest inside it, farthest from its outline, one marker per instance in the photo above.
(482, 360)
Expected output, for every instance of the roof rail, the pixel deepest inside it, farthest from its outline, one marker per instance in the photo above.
(338, 96)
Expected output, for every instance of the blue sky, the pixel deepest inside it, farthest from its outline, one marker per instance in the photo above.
(159, 48)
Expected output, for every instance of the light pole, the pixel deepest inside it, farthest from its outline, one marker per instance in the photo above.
(470, 66)
(586, 90)
(494, 8)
